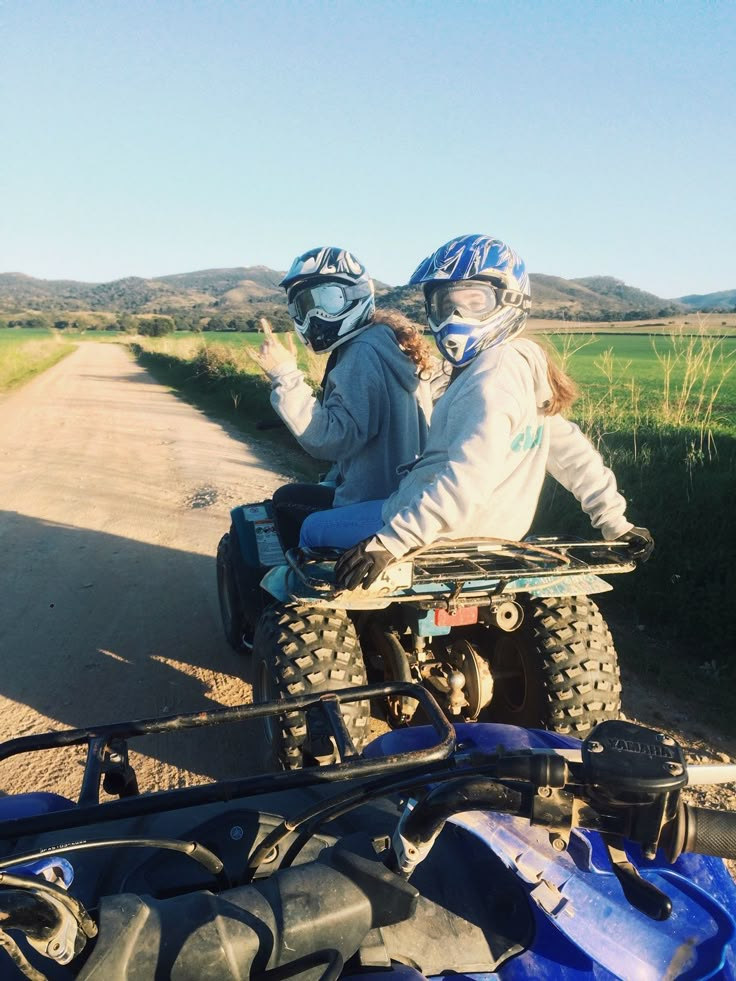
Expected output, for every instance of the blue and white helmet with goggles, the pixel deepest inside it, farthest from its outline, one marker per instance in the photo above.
(330, 297)
(477, 295)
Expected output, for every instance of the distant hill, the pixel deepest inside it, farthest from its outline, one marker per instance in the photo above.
(252, 290)
(208, 289)
(221, 281)
(20, 291)
(725, 301)
(596, 298)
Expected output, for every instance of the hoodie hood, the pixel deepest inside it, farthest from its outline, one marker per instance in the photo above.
(536, 358)
(398, 364)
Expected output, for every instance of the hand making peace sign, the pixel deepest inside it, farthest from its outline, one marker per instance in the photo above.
(272, 352)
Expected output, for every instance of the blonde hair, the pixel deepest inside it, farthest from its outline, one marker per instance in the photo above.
(564, 389)
(409, 337)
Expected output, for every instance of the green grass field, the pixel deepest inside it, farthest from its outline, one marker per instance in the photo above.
(606, 364)
(662, 411)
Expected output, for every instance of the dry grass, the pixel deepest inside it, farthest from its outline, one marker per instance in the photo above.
(22, 358)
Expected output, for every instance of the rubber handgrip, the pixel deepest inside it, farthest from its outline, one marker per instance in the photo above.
(710, 832)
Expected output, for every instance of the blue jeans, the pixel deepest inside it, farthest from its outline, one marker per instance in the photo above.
(342, 527)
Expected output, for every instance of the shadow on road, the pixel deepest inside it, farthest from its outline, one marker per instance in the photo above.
(95, 628)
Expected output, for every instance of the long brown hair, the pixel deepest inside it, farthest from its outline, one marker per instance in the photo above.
(564, 389)
(408, 335)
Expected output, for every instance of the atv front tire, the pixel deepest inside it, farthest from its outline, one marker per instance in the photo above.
(559, 670)
(298, 650)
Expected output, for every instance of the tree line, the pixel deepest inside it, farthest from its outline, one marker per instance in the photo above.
(151, 325)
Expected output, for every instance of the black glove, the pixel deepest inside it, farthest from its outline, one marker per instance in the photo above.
(356, 565)
(640, 541)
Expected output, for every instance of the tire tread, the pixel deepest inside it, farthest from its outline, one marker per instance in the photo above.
(575, 643)
(309, 651)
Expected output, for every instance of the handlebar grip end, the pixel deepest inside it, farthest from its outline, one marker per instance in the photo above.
(703, 831)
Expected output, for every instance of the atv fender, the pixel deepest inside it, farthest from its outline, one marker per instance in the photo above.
(582, 585)
(285, 586)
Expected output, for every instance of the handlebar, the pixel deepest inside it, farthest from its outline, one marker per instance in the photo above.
(624, 782)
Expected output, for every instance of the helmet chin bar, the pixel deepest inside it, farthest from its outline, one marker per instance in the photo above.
(453, 348)
(323, 333)
(469, 339)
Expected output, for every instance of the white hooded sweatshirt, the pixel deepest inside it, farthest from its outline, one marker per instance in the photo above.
(489, 446)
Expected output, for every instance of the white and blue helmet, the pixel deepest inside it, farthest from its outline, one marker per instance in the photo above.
(330, 297)
(477, 295)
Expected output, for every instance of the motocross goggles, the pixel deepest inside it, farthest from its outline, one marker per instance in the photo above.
(328, 299)
(470, 300)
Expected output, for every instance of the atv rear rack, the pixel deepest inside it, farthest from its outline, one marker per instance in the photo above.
(494, 562)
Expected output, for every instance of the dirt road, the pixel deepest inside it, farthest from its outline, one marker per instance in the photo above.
(113, 496)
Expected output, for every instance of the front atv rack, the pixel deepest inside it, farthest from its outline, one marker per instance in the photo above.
(107, 753)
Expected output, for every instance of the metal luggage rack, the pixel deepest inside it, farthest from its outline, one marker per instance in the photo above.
(470, 559)
(491, 559)
(107, 757)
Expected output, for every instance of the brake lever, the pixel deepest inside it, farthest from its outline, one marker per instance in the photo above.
(642, 895)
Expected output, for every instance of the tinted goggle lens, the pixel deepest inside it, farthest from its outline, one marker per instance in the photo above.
(331, 298)
(473, 301)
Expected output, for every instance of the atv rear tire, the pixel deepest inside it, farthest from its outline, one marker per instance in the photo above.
(231, 608)
(298, 650)
(559, 670)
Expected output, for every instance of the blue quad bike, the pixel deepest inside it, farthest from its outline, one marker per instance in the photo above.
(499, 630)
(479, 851)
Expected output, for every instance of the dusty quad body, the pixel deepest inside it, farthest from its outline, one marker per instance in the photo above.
(503, 629)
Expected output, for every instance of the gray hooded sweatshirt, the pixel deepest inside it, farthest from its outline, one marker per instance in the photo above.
(373, 416)
(488, 450)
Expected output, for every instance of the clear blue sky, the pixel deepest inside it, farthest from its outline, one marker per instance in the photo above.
(146, 138)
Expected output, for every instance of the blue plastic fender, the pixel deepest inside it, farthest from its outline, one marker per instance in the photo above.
(28, 805)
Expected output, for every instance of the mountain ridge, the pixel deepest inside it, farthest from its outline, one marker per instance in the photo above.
(250, 290)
